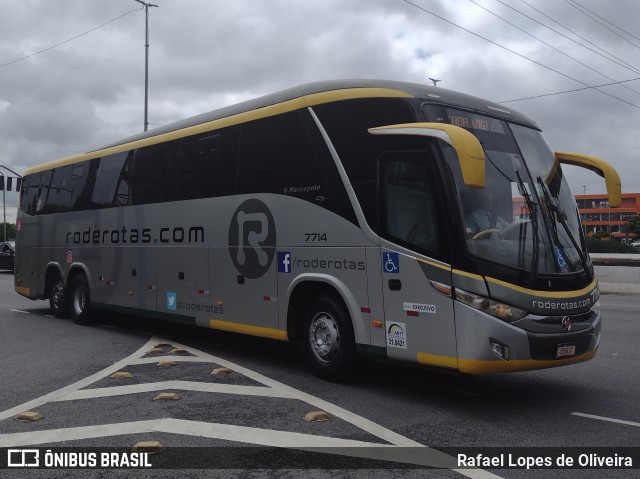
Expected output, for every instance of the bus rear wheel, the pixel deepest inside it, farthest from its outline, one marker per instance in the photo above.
(328, 340)
(58, 298)
(79, 300)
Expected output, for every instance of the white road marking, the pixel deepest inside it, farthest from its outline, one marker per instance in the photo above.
(19, 311)
(422, 456)
(174, 385)
(399, 448)
(228, 432)
(608, 419)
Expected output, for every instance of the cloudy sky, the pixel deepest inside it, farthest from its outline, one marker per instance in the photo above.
(72, 71)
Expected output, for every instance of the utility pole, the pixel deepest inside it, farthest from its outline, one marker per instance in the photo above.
(146, 61)
(432, 79)
(4, 207)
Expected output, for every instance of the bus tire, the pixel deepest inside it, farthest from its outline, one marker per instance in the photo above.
(327, 339)
(79, 300)
(58, 298)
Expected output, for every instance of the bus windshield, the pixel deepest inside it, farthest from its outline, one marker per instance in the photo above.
(525, 217)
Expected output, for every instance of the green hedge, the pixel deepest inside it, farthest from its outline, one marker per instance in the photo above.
(597, 246)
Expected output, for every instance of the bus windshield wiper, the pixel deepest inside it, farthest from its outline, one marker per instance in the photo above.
(534, 225)
(561, 215)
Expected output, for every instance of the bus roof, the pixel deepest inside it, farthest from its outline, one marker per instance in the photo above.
(302, 95)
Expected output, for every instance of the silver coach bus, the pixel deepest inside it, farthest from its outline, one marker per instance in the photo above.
(343, 215)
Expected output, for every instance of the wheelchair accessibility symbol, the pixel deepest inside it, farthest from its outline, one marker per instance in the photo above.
(390, 262)
(561, 259)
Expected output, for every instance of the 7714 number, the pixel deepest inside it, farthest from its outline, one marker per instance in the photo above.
(313, 237)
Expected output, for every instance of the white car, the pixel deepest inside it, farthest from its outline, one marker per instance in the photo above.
(636, 244)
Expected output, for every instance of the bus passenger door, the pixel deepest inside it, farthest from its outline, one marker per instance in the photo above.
(419, 320)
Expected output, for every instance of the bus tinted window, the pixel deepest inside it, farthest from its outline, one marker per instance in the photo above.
(112, 181)
(408, 197)
(276, 156)
(29, 193)
(66, 186)
(347, 123)
(43, 191)
(208, 164)
(55, 191)
(338, 200)
(153, 173)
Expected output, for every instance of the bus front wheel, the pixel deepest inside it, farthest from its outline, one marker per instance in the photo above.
(79, 300)
(328, 340)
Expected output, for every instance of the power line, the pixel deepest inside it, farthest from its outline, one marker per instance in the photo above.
(68, 40)
(518, 54)
(549, 45)
(568, 91)
(582, 9)
(609, 56)
(602, 18)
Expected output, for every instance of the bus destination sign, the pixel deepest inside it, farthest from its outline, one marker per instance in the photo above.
(471, 121)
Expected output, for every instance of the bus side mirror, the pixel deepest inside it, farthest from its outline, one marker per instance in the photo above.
(467, 146)
(601, 167)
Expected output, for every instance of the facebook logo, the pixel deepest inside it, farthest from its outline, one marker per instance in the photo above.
(284, 262)
(171, 300)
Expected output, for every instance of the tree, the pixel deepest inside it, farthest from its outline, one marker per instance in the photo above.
(633, 225)
(11, 231)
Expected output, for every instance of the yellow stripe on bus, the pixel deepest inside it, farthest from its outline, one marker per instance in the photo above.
(490, 366)
(548, 294)
(437, 360)
(248, 329)
(437, 265)
(23, 291)
(468, 275)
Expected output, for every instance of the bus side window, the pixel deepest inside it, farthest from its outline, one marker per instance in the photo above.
(347, 123)
(407, 202)
(29, 193)
(276, 156)
(154, 172)
(111, 187)
(208, 164)
(44, 188)
(66, 185)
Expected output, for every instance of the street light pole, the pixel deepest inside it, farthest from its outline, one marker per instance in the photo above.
(146, 61)
(4, 207)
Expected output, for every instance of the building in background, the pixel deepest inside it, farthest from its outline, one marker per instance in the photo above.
(596, 215)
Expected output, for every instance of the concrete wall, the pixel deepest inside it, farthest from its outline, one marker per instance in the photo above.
(617, 273)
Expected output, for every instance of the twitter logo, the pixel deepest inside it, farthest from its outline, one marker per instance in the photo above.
(171, 300)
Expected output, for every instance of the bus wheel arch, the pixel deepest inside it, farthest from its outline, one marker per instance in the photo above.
(56, 291)
(319, 321)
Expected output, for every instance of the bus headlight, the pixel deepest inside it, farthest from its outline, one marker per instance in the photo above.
(499, 310)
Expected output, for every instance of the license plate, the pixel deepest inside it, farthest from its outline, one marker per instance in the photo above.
(566, 350)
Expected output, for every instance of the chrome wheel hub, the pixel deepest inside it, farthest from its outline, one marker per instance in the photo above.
(57, 294)
(324, 337)
(79, 300)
